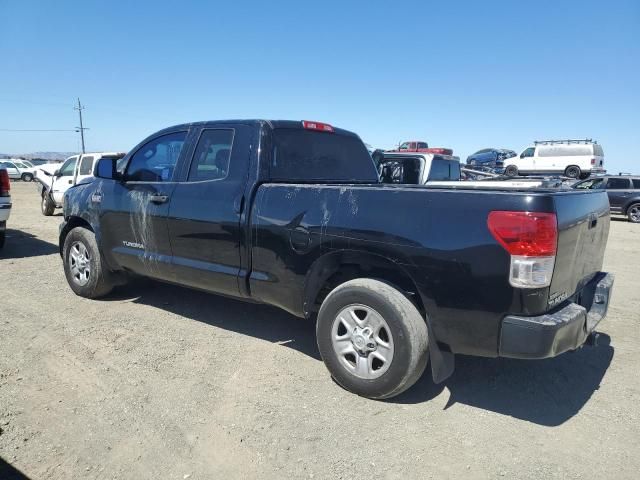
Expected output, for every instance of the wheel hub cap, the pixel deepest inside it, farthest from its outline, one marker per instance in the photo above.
(79, 264)
(362, 340)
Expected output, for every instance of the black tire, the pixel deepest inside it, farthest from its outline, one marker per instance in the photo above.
(99, 281)
(3, 236)
(633, 213)
(27, 177)
(47, 206)
(572, 171)
(584, 176)
(511, 171)
(407, 327)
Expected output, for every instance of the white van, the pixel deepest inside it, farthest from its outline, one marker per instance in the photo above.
(571, 158)
(55, 180)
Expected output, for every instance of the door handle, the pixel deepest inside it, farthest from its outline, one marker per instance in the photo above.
(158, 198)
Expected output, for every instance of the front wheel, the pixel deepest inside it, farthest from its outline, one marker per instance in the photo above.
(47, 205)
(372, 339)
(511, 171)
(83, 265)
(633, 213)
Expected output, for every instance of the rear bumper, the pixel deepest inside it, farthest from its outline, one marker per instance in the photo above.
(5, 211)
(559, 331)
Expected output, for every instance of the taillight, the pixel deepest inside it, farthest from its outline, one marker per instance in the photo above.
(323, 127)
(531, 238)
(593, 161)
(5, 185)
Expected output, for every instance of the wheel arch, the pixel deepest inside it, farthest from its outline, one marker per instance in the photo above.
(335, 268)
(628, 204)
(71, 223)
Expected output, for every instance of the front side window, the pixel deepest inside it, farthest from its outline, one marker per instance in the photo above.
(404, 146)
(211, 159)
(528, 152)
(156, 160)
(86, 165)
(68, 167)
(618, 184)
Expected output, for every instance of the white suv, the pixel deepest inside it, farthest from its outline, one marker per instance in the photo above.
(572, 158)
(18, 169)
(56, 180)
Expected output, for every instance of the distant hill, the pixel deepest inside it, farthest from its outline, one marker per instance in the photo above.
(56, 156)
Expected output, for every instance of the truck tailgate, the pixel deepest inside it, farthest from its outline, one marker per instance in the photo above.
(583, 228)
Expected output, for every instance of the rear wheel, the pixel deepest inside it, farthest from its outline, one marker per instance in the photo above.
(572, 171)
(3, 233)
(633, 213)
(511, 171)
(372, 339)
(47, 206)
(27, 177)
(83, 265)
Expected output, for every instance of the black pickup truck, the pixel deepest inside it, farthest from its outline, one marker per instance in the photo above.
(293, 214)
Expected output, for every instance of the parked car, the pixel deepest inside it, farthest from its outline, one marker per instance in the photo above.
(421, 147)
(571, 158)
(623, 192)
(5, 203)
(489, 158)
(55, 180)
(18, 170)
(395, 275)
(418, 168)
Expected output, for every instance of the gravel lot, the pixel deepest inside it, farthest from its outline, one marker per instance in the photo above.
(160, 382)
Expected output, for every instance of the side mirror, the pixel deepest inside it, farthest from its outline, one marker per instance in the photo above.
(522, 155)
(106, 168)
(57, 174)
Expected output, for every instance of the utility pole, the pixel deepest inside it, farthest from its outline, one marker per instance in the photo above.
(80, 129)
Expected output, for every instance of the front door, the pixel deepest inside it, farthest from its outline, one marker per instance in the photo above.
(85, 168)
(64, 180)
(204, 216)
(134, 209)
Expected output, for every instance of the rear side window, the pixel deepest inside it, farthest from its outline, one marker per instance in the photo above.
(86, 165)
(618, 183)
(442, 169)
(304, 155)
(565, 150)
(422, 145)
(636, 183)
(211, 159)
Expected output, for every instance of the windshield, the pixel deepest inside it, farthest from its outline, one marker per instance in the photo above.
(590, 184)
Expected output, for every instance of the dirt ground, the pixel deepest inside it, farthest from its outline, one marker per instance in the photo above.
(160, 382)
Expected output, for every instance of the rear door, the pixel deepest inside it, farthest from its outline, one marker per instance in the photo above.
(619, 190)
(206, 205)
(135, 209)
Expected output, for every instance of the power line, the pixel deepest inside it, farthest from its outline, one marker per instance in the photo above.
(33, 130)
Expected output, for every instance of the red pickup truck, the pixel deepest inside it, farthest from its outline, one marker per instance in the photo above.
(421, 147)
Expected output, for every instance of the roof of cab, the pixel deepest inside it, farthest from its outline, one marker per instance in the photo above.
(253, 122)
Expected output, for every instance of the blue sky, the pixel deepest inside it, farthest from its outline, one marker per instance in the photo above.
(465, 75)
